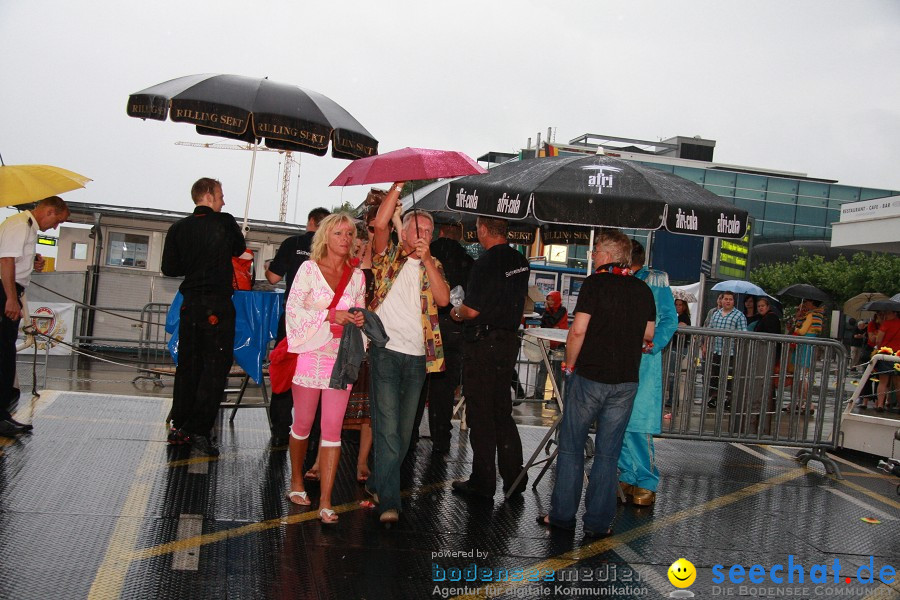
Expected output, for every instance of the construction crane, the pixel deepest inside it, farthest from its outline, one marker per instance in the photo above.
(289, 162)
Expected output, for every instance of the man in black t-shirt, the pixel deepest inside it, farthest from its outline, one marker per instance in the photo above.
(614, 322)
(200, 248)
(492, 310)
(292, 253)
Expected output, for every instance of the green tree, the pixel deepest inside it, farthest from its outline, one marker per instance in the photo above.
(345, 207)
(841, 278)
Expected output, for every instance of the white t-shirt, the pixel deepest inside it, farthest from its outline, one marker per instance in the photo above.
(401, 311)
(17, 240)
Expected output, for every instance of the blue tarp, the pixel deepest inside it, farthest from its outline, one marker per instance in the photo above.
(256, 323)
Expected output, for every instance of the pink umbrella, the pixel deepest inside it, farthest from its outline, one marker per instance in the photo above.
(408, 164)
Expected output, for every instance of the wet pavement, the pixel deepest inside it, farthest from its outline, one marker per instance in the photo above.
(95, 504)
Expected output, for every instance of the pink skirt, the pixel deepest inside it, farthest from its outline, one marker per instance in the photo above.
(314, 367)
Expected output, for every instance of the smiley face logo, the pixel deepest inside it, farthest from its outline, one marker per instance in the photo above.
(682, 573)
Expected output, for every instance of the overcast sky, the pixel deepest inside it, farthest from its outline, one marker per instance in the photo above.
(805, 86)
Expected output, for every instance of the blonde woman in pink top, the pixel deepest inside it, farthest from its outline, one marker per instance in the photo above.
(313, 333)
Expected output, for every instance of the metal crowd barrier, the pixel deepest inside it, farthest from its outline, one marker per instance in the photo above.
(757, 388)
(152, 348)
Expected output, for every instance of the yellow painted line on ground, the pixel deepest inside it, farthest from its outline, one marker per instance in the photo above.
(600, 546)
(112, 572)
(212, 538)
(870, 493)
(849, 484)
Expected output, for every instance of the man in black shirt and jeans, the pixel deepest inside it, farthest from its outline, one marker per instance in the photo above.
(492, 310)
(200, 248)
(292, 253)
(614, 322)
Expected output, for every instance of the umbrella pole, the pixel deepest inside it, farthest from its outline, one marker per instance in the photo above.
(702, 291)
(244, 227)
(590, 262)
(415, 216)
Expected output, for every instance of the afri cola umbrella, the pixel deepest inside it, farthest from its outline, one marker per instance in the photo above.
(431, 199)
(253, 109)
(596, 191)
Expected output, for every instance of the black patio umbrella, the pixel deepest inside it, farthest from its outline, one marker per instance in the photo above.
(596, 191)
(806, 291)
(286, 117)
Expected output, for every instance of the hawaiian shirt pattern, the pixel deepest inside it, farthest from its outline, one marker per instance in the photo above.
(385, 267)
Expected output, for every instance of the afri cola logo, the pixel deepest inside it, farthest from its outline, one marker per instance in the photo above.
(603, 178)
(726, 225)
(509, 205)
(684, 220)
(464, 200)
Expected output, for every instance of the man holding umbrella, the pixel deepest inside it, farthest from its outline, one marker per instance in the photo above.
(409, 288)
(200, 247)
(18, 236)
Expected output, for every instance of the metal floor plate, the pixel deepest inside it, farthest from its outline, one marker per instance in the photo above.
(95, 504)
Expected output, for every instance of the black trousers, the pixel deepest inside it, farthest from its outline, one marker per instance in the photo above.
(442, 386)
(205, 355)
(487, 376)
(714, 383)
(9, 331)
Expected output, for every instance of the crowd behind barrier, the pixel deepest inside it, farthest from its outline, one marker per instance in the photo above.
(770, 396)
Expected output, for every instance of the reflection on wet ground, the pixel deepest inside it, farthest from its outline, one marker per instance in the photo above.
(94, 503)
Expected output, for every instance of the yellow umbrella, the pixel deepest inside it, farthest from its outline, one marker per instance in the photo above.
(20, 184)
(853, 305)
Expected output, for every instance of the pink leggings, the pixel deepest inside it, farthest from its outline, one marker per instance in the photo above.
(334, 405)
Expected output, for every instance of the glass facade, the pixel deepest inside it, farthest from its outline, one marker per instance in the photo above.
(785, 209)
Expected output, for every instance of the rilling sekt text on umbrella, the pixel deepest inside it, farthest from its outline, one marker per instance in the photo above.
(293, 132)
(726, 225)
(194, 116)
(357, 148)
(147, 110)
(464, 200)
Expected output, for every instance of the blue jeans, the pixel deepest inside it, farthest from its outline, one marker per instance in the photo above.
(609, 405)
(397, 380)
